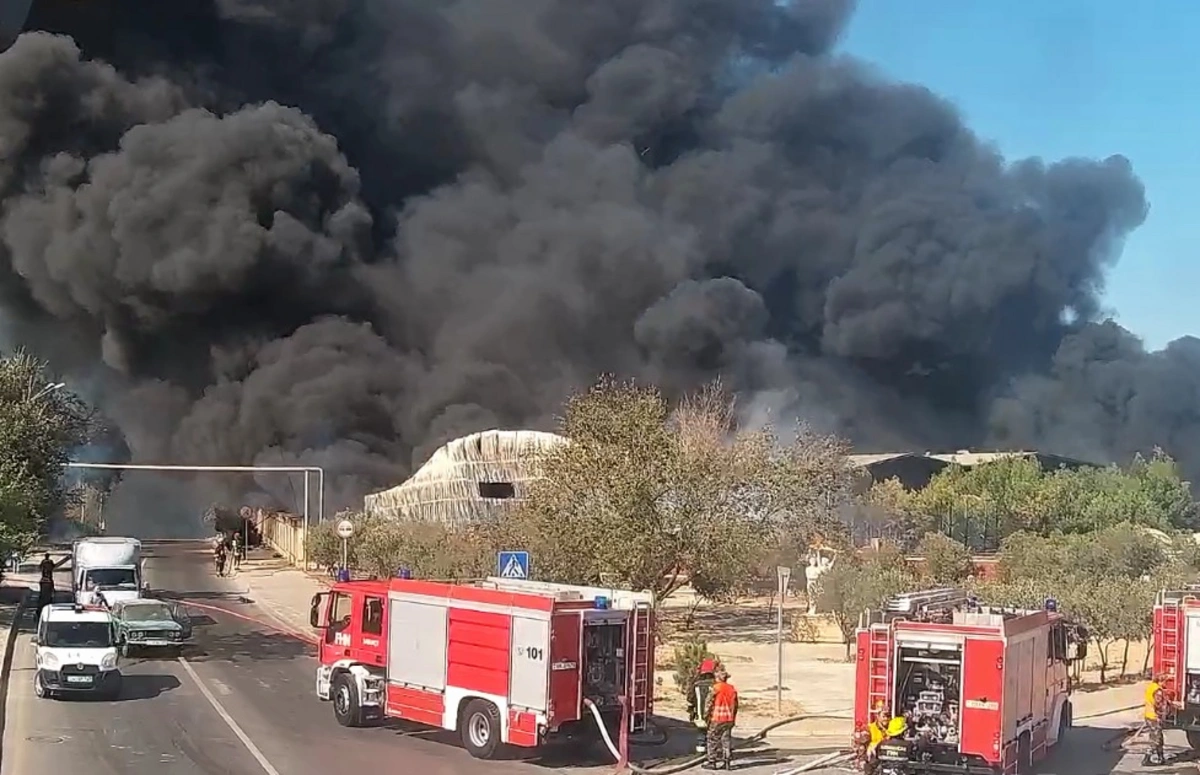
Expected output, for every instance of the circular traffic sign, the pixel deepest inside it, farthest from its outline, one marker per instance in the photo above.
(345, 528)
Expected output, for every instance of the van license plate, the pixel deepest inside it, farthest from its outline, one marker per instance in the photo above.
(79, 679)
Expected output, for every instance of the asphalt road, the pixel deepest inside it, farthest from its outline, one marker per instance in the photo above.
(241, 702)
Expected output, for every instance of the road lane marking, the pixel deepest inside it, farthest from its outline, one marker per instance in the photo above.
(228, 719)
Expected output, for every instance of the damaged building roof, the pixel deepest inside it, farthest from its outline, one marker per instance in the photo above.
(915, 469)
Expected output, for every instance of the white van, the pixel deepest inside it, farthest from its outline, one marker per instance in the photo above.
(76, 652)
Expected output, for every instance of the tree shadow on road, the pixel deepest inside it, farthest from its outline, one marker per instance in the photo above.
(247, 647)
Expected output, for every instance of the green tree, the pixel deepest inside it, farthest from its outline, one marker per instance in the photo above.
(983, 504)
(41, 424)
(645, 496)
(946, 561)
(858, 582)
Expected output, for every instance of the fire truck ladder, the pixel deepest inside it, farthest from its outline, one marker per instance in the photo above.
(641, 637)
(879, 666)
(1169, 639)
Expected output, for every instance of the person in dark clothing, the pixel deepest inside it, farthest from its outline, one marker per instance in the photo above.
(698, 700)
(46, 583)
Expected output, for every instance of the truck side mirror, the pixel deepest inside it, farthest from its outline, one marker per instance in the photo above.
(314, 611)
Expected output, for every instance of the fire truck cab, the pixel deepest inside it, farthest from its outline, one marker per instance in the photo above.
(500, 661)
(984, 689)
(1176, 652)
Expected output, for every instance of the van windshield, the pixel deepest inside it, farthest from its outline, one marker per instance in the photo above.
(78, 635)
(111, 577)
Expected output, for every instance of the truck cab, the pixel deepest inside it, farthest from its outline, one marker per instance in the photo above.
(106, 570)
(352, 619)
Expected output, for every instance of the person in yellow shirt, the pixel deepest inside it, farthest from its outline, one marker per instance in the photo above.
(877, 728)
(1153, 709)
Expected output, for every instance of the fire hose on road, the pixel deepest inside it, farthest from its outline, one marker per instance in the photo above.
(830, 759)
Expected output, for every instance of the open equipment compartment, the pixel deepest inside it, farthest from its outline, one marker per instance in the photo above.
(604, 675)
(928, 692)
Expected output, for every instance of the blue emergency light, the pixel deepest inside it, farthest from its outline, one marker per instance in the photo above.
(1051, 604)
(343, 574)
(600, 603)
(403, 572)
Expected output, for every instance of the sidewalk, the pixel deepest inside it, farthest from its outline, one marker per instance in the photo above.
(280, 589)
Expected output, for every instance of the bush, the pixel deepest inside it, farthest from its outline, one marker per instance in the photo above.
(431, 550)
(688, 656)
(946, 561)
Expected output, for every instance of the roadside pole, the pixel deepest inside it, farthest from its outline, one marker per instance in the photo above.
(782, 574)
(345, 529)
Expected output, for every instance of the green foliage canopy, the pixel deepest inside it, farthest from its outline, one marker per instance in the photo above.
(981, 505)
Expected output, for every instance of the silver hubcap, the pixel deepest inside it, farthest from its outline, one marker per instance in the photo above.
(480, 730)
(343, 699)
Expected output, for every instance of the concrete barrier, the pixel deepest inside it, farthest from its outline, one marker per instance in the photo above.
(283, 533)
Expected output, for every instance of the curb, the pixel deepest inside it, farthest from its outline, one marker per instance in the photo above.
(10, 644)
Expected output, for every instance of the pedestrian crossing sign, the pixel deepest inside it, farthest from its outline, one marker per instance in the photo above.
(512, 565)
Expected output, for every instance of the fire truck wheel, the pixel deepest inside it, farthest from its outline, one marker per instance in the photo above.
(1024, 755)
(346, 708)
(480, 729)
(1193, 738)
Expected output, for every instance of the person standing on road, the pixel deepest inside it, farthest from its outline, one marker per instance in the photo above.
(45, 583)
(698, 694)
(235, 551)
(721, 715)
(1154, 708)
(219, 557)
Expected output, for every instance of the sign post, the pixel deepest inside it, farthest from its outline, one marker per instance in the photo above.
(783, 575)
(345, 529)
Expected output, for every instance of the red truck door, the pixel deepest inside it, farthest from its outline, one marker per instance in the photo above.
(335, 645)
(983, 698)
(356, 627)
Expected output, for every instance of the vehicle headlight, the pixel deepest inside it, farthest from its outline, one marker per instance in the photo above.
(48, 660)
(109, 662)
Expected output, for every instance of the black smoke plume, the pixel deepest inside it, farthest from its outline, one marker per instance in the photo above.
(342, 231)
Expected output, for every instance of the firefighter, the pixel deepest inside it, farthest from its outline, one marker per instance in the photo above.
(701, 687)
(1153, 710)
(721, 714)
(877, 730)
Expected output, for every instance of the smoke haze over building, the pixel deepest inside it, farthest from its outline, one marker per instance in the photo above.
(340, 232)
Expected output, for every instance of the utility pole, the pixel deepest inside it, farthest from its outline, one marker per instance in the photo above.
(782, 574)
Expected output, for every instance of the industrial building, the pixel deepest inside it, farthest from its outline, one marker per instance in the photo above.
(475, 478)
(916, 469)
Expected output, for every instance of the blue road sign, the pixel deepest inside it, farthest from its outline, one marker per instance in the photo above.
(512, 565)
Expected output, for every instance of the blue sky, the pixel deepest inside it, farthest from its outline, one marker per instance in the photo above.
(1056, 78)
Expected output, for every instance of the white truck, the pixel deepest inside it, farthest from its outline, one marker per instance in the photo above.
(106, 570)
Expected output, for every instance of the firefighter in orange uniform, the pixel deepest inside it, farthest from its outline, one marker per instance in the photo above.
(721, 715)
(1154, 708)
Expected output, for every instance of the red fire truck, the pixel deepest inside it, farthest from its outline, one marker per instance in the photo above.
(984, 690)
(1176, 650)
(499, 661)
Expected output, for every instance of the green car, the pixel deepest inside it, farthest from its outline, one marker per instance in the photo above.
(151, 624)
